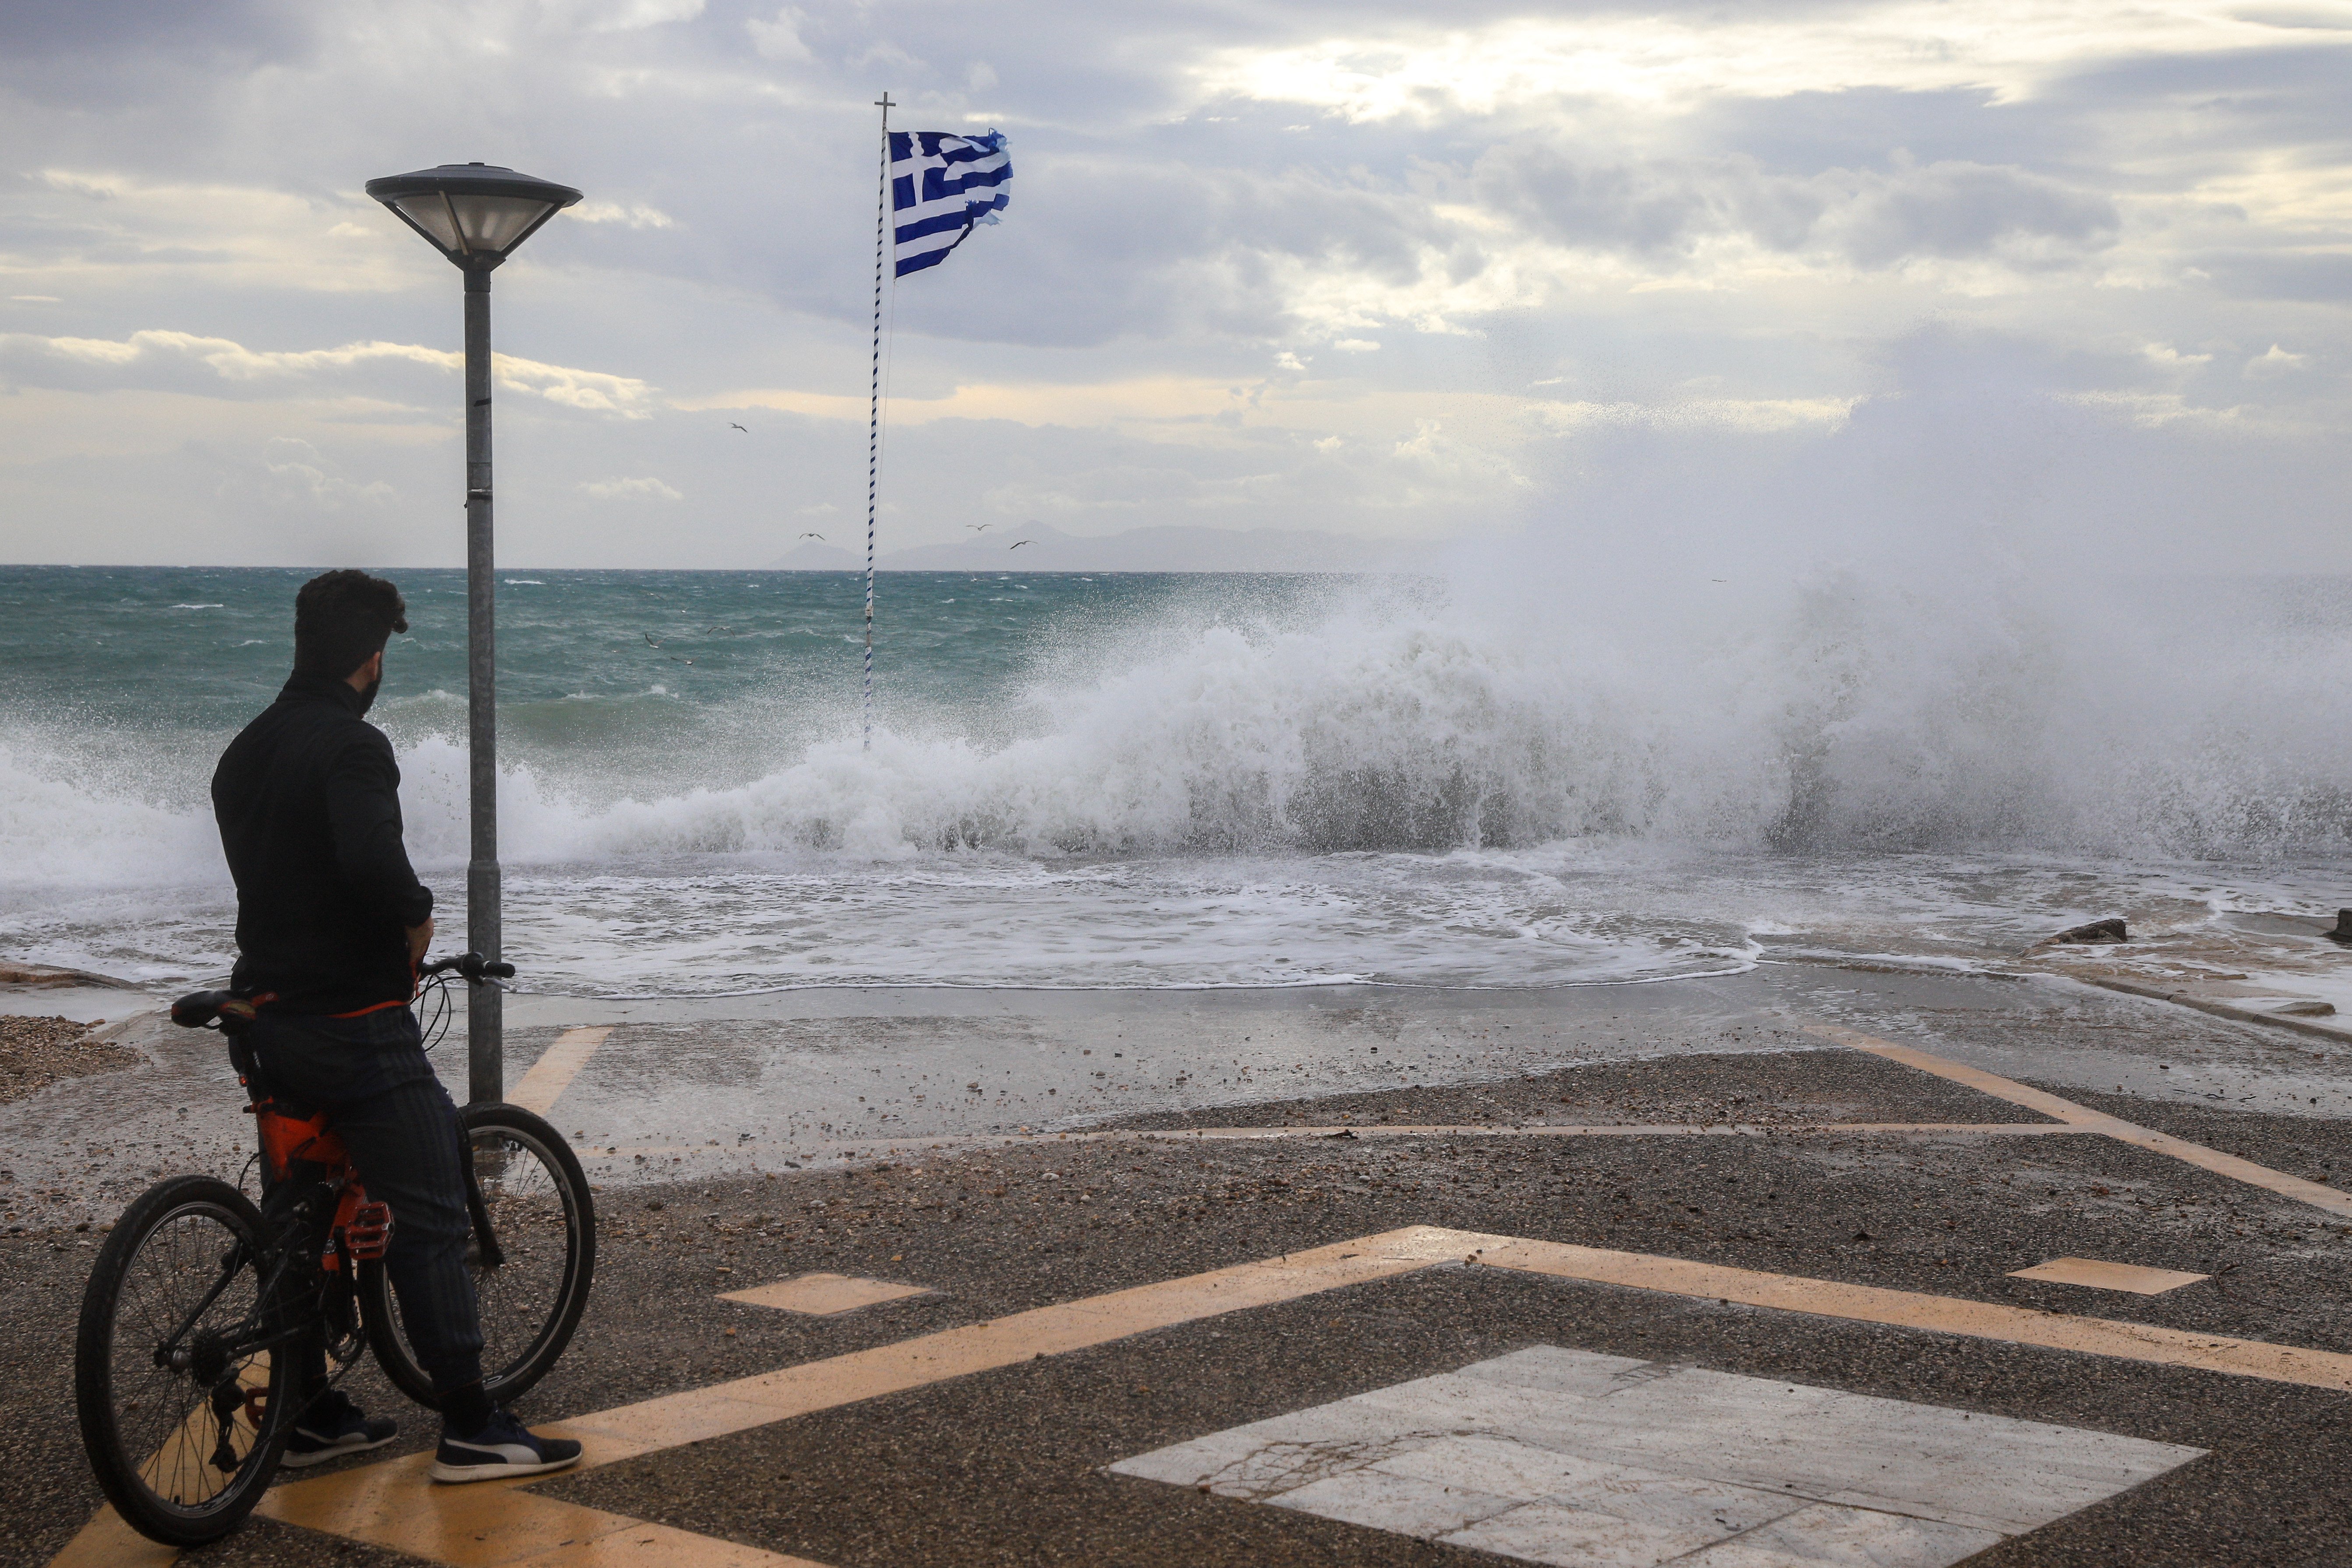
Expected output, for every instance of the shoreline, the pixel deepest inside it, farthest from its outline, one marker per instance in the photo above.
(810, 1079)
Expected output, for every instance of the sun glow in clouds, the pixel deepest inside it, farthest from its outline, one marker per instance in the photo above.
(2001, 45)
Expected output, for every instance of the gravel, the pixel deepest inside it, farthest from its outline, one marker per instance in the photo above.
(1798, 1084)
(37, 1052)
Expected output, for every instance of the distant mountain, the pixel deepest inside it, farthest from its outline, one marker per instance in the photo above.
(1159, 549)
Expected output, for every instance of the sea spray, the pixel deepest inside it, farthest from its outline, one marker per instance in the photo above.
(1862, 722)
(1840, 714)
(1233, 782)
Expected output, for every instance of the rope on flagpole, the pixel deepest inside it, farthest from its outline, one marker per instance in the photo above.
(873, 405)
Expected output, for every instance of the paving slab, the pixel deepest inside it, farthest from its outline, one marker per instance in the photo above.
(2100, 1274)
(823, 1295)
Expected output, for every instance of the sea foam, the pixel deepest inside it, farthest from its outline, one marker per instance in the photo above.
(1835, 716)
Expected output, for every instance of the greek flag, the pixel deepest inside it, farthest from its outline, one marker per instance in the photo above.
(941, 185)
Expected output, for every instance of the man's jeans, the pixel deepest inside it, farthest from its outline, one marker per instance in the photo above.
(370, 1074)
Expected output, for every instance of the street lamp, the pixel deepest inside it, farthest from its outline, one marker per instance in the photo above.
(476, 214)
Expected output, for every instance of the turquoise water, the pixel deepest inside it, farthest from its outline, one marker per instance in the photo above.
(643, 662)
(1546, 777)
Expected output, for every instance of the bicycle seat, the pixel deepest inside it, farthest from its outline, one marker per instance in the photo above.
(201, 1009)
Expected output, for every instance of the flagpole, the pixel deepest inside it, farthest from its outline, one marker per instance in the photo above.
(873, 405)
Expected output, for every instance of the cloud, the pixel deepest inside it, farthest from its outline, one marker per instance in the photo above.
(1669, 208)
(633, 214)
(77, 185)
(292, 480)
(619, 15)
(780, 39)
(175, 361)
(1427, 73)
(646, 488)
(1678, 232)
(1956, 209)
(2298, 18)
(51, 37)
(2275, 361)
(1742, 415)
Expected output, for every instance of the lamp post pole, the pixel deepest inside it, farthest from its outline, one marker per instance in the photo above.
(476, 214)
(485, 1004)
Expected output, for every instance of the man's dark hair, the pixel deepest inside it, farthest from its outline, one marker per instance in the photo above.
(343, 618)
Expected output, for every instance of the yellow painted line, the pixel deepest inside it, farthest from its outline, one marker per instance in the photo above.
(957, 1142)
(107, 1543)
(1563, 1129)
(2084, 1119)
(106, 1539)
(489, 1523)
(493, 1523)
(548, 1077)
(1983, 1082)
(1003, 1341)
(2230, 1165)
(1910, 1310)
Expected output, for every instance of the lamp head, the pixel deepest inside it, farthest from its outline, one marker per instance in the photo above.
(474, 213)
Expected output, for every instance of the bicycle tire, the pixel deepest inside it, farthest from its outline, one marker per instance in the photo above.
(524, 1329)
(168, 1225)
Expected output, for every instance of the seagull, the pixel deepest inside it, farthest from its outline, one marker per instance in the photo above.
(649, 639)
(812, 536)
(733, 425)
(978, 526)
(675, 659)
(1019, 543)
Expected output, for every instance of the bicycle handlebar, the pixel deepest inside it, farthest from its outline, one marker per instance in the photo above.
(468, 966)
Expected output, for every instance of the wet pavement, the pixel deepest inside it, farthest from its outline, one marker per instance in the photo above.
(805, 1079)
(739, 1153)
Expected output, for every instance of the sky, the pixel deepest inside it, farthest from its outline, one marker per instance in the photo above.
(1483, 273)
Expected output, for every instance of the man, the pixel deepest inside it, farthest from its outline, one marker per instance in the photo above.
(331, 925)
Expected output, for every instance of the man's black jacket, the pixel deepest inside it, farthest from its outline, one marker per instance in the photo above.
(307, 799)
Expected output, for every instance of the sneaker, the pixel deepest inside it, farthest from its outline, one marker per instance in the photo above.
(500, 1449)
(333, 1428)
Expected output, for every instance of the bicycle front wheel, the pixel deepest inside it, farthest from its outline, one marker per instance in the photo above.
(182, 1419)
(544, 1222)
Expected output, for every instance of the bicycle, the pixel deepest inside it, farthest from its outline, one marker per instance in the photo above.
(202, 1303)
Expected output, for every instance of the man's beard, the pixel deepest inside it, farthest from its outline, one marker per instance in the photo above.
(367, 693)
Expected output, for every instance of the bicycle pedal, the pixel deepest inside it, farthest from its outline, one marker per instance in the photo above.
(369, 1232)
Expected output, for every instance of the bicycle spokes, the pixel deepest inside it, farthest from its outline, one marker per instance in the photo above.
(210, 1442)
(179, 1364)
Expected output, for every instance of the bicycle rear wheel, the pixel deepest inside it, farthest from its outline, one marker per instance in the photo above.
(544, 1221)
(182, 1428)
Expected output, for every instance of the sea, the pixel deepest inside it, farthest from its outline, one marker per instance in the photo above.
(1500, 777)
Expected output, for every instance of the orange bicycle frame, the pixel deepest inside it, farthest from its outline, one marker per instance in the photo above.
(362, 1229)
